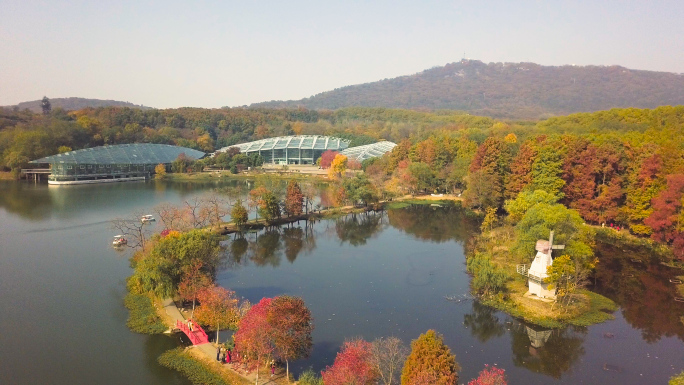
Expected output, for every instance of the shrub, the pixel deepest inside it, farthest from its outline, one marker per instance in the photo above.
(196, 371)
(309, 377)
(142, 316)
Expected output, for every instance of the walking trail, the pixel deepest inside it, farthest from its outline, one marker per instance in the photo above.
(208, 353)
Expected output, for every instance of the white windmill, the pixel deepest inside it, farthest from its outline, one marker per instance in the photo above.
(537, 272)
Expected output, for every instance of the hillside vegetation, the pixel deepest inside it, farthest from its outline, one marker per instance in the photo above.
(72, 104)
(508, 90)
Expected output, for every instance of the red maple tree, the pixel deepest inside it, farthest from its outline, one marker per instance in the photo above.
(667, 217)
(327, 158)
(352, 365)
(290, 328)
(490, 376)
(253, 337)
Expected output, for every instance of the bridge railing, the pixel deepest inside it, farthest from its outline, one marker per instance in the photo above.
(193, 335)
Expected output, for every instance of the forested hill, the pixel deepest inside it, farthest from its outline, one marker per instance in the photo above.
(72, 104)
(508, 90)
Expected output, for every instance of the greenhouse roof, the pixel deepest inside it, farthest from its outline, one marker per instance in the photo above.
(297, 141)
(137, 153)
(361, 153)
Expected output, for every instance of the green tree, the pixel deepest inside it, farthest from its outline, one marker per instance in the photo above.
(430, 357)
(525, 200)
(270, 207)
(239, 214)
(488, 279)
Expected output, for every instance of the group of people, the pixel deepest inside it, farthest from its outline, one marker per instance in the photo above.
(223, 355)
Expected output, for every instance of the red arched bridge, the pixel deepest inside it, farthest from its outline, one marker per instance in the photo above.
(197, 335)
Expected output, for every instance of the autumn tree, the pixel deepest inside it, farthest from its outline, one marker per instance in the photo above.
(667, 219)
(160, 269)
(521, 169)
(253, 337)
(353, 365)
(491, 166)
(593, 176)
(219, 307)
(239, 214)
(294, 199)
(490, 376)
(171, 216)
(338, 166)
(291, 326)
(193, 281)
(388, 356)
(430, 357)
(644, 181)
(524, 201)
(216, 208)
(160, 171)
(327, 158)
(256, 197)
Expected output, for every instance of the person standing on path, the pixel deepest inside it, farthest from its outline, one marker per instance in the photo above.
(190, 325)
(218, 353)
(272, 368)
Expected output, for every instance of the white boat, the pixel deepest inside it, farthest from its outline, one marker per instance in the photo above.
(119, 240)
(147, 218)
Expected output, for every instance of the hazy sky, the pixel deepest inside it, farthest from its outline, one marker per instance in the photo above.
(230, 53)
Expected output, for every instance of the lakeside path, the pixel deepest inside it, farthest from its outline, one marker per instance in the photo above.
(207, 353)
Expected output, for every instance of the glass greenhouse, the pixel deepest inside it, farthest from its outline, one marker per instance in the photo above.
(298, 149)
(361, 153)
(112, 163)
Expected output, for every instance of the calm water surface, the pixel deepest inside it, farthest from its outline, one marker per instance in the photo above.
(365, 275)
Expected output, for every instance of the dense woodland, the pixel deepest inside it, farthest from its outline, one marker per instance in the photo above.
(623, 166)
(510, 90)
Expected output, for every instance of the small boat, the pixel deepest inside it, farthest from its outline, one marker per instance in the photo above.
(119, 240)
(147, 218)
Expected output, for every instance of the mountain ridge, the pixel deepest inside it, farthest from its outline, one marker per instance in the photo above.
(507, 90)
(74, 103)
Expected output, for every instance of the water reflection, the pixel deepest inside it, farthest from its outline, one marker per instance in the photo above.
(357, 229)
(436, 224)
(546, 351)
(643, 291)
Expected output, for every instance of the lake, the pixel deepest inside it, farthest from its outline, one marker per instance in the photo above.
(368, 275)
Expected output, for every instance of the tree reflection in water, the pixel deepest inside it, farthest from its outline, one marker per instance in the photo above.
(436, 224)
(545, 351)
(642, 289)
(357, 229)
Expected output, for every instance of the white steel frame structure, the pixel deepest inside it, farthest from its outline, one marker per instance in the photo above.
(296, 149)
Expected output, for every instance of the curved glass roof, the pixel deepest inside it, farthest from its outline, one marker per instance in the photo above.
(136, 153)
(361, 153)
(297, 141)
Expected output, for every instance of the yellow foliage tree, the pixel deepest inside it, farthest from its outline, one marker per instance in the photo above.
(511, 138)
(338, 166)
(160, 171)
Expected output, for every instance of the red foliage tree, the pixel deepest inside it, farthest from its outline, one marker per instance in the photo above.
(490, 376)
(593, 176)
(294, 199)
(252, 339)
(521, 170)
(667, 219)
(327, 158)
(352, 365)
(290, 327)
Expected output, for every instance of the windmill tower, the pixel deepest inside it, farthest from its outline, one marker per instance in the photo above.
(536, 274)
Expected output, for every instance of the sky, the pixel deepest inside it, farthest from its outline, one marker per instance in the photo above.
(169, 54)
